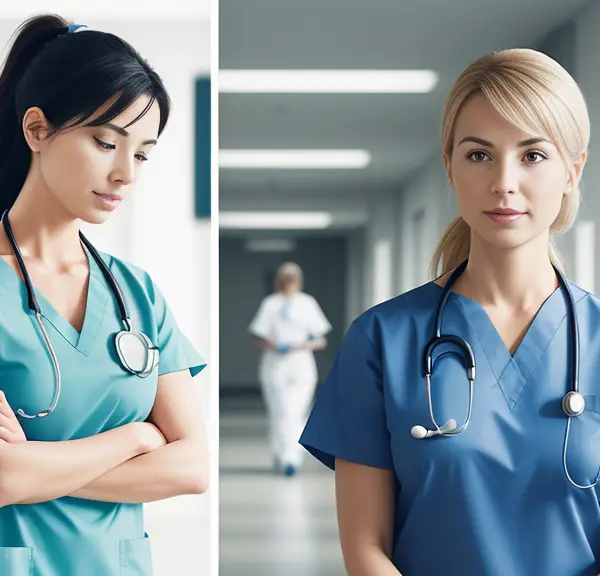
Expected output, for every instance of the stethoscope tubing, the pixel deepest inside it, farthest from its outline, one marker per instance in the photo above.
(469, 360)
(35, 309)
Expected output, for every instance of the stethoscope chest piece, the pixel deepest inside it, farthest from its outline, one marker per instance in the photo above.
(136, 352)
(573, 404)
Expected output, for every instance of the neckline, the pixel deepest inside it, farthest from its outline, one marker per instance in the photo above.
(477, 303)
(476, 307)
(512, 371)
(96, 298)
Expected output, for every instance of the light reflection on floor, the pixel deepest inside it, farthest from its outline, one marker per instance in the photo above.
(271, 525)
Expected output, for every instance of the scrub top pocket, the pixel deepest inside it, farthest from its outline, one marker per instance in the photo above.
(136, 557)
(16, 561)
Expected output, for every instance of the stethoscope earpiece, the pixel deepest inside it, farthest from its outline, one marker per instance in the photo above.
(420, 432)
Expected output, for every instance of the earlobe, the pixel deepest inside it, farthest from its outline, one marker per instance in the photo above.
(577, 170)
(35, 128)
(575, 173)
(448, 169)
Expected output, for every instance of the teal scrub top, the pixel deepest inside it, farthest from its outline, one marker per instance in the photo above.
(71, 536)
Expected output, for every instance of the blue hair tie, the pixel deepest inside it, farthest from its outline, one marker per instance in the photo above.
(76, 28)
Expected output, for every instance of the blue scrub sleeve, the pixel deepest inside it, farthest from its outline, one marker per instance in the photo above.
(348, 419)
(176, 352)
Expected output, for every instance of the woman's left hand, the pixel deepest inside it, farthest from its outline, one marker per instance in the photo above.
(10, 427)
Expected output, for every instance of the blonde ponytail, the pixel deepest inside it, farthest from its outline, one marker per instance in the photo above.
(453, 247)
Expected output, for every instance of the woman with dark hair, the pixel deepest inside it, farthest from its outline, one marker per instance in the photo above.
(97, 409)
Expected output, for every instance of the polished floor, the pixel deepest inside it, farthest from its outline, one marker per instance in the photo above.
(271, 525)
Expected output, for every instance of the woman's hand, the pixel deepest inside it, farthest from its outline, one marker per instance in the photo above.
(283, 348)
(10, 427)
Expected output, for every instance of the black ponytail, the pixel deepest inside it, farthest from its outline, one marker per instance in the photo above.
(14, 152)
(69, 76)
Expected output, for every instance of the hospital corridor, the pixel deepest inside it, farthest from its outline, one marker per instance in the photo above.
(341, 176)
(272, 525)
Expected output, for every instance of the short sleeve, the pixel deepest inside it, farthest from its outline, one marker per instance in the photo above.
(318, 325)
(176, 352)
(348, 419)
(262, 323)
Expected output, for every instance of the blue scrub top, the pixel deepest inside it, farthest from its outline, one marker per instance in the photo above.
(71, 536)
(493, 500)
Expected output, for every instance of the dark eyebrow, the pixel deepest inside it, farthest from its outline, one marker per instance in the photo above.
(124, 132)
(528, 142)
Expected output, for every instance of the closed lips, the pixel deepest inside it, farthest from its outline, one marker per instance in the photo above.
(507, 211)
(109, 196)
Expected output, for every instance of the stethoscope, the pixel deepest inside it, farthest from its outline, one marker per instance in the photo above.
(573, 403)
(136, 352)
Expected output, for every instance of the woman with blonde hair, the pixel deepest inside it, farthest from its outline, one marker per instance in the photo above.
(463, 418)
(289, 325)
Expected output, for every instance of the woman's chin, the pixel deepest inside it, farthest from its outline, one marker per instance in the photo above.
(506, 239)
(95, 216)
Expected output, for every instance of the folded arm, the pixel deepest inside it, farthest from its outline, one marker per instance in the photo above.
(179, 467)
(41, 471)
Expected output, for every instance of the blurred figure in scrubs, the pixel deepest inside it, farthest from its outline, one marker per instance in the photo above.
(289, 325)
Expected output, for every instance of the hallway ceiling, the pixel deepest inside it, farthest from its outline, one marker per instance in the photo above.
(400, 130)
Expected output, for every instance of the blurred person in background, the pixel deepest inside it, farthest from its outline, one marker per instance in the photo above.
(97, 408)
(289, 325)
(513, 489)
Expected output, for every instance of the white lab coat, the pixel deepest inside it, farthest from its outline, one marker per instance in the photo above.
(288, 380)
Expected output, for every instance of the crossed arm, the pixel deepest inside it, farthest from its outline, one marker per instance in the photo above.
(138, 462)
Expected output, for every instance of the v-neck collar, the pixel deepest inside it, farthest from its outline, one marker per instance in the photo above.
(97, 298)
(512, 372)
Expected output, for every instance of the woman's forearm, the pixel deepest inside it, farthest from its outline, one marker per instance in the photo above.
(264, 344)
(372, 562)
(33, 471)
(316, 344)
(365, 507)
(175, 469)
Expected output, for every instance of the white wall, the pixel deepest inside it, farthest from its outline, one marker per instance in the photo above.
(156, 229)
(177, 10)
(355, 300)
(380, 246)
(586, 67)
(429, 193)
